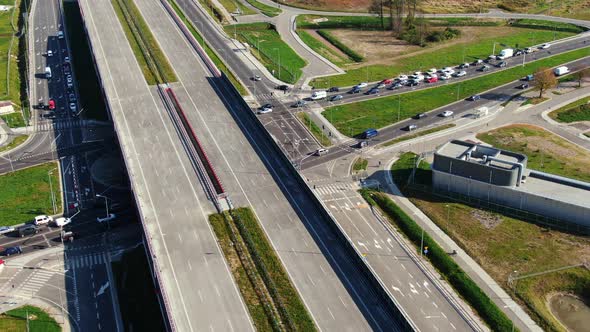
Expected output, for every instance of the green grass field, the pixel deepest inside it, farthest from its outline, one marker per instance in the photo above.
(314, 129)
(323, 50)
(18, 140)
(352, 119)
(90, 92)
(360, 164)
(270, 49)
(232, 6)
(15, 320)
(267, 10)
(13, 120)
(501, 244)
(579, 110)
(145, 47)
(218, 62)
(545, 151)
(441, 57)
(25, 194)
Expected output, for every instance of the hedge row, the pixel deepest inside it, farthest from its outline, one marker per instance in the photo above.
(547, 25)
(345, 49)
(468, 289)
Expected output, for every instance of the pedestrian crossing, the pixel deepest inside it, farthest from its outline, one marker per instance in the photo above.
(77, 262)
(335, 188)
(58, 124)
(34, 282)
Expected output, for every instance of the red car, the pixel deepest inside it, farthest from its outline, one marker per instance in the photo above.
(432, 80)
(387, 81)
(51, 104)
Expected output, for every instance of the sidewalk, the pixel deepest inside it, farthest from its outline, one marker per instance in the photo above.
(504, 302)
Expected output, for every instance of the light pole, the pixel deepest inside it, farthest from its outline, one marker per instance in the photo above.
(494, 49)
(51, 189)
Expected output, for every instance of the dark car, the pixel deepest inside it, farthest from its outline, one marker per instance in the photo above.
(502, 64)
(27, 230)
(334, 89)
(420, 116)
(395, 86)
(72, 97)
(48, 115)
(411, 127)
(336, 98)
(518, 52)
(412, 83)
(523, 86)
(356, 89)
(12, 251)
(372, 91)
(283, 87)
(300, 103)
(265, 106)
(484, 68)
(474, 98)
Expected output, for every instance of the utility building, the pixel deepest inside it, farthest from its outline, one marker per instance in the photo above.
(501, 177)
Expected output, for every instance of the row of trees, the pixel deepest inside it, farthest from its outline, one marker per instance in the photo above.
(544, 79)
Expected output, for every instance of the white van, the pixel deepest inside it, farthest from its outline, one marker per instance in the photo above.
(61, 222)
(47, 72)
(319, 95)
(321, 152)
(42, 220)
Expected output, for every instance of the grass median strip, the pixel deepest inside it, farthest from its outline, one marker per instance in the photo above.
(314, 129)
(291, 308)
(579, 110)
(154, 64)
(276, 55)
(27, 193)
(360, 164)
(216, 60)
(322, 49)
(14, 120)
(418, 134)
(18, 140)
(355, 118)
(265, 9)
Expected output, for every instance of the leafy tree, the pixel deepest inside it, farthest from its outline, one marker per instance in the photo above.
(544, 79)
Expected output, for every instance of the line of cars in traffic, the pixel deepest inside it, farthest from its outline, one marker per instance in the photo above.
(69, 85)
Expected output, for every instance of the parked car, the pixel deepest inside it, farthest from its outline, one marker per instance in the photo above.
(381, 86)
(523, 86)
(411, 127)
(446, 114)
(362, 85)
(502, 64)
(62, 221)
(60, 34)
(420, 116)
(431, 71)
(432, 79)
(334, 89)
(72, 97)
(336, 98)
(461, 73)
(545, 46)
(67, 59)
(49, 53)
(412, 83)
(492, 57)
(110, 217)
(6, 229)
(73, 107)
(518, 52)
(529, 77)
(474, 98)
(387, 81)
(446, 77)
(27, 230)
(395, 86)
(449, 72)
(402, 78)
(42, 220)
(12, 251)
(464, 65)
(484, 68)
(528, 50)
(477, 62)
(51, 104)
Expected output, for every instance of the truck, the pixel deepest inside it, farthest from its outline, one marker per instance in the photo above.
(319, 95)
(561, 70)
(506, 53)
(47, 72)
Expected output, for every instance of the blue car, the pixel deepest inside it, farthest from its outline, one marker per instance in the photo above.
(12, 251)
(372, 91)
(356, 89)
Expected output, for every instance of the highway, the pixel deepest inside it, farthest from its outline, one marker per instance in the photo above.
(462, 108)
(173, 209)
(336, 291)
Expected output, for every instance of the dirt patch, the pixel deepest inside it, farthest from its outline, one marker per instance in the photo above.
(487, 219)
(331, 5)
(380, 47)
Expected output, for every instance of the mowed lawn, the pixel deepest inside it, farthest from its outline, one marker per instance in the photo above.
(25, 194)
(352, 119)
(15, 320)
(579, 110)
(546, 152)
(441, 57)
(9, 74)
(270, 49)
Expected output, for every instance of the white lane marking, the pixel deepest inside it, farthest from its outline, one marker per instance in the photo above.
(397, 290)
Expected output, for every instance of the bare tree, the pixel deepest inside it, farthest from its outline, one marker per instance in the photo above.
(396, 10)
(376, 7)
(581, 75)
(544, 79)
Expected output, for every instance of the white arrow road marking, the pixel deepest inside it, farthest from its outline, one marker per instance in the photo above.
(102, 288)
(397, 290)
(413, 289)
